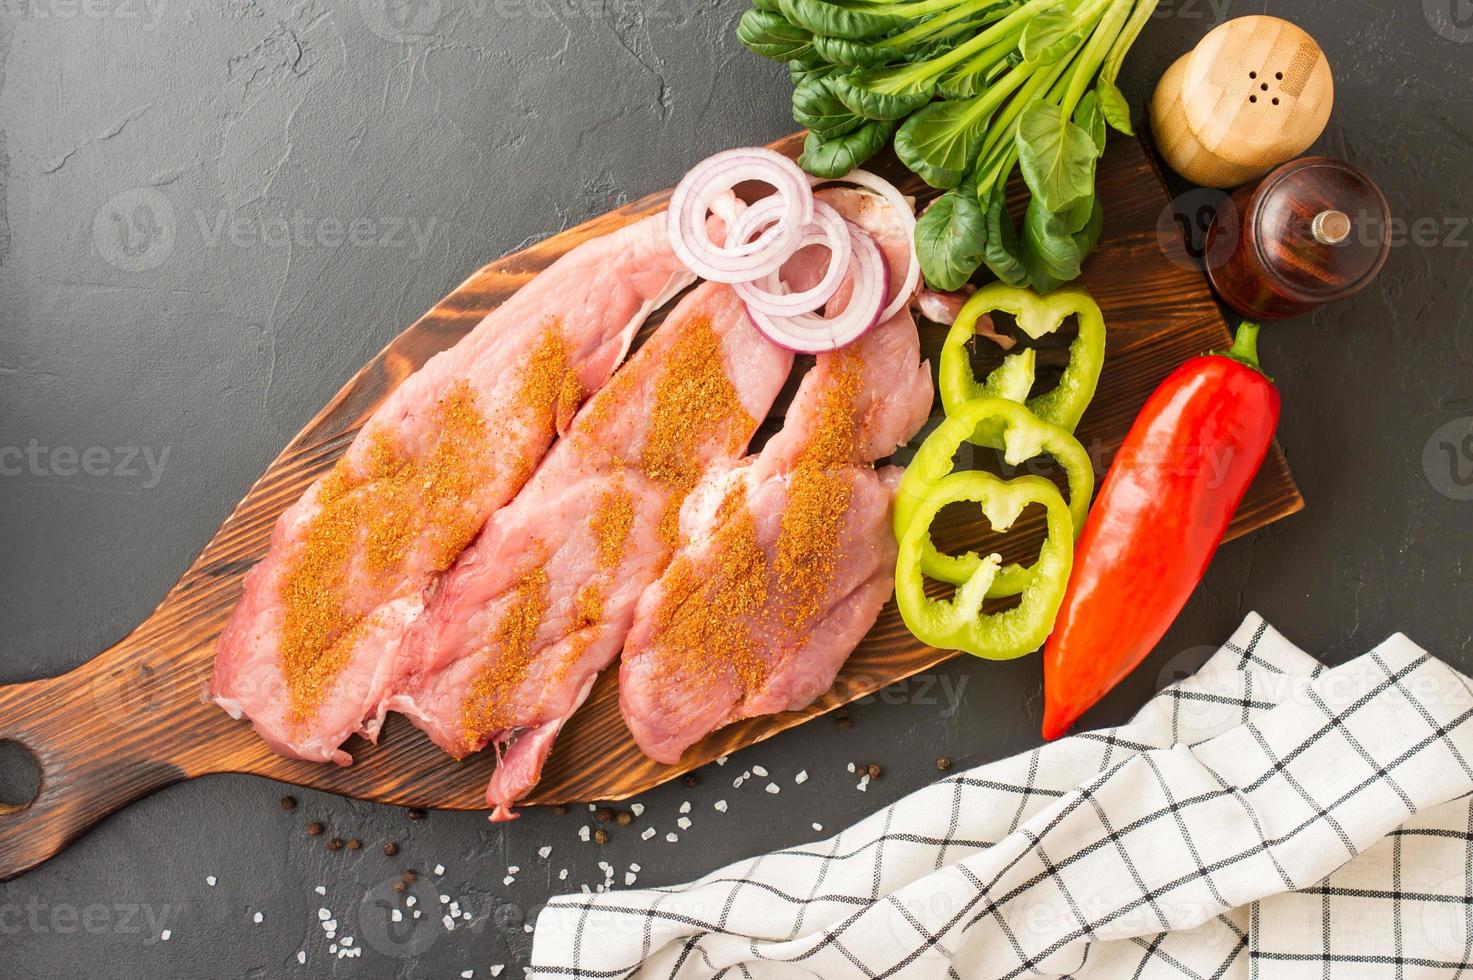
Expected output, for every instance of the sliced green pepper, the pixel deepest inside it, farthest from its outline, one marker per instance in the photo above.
(958, 623)
(1022, 436)
(1036, 316)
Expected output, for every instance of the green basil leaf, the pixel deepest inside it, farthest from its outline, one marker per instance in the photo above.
(1114, 107)
(1048, 37)
(836, 156)
(1088, 117)
(1049, 247)
(940, 140)
(771, 5)
(769, 35)
(816, 107)
(1057, 157)
(950, 238)
(842, 51)
(1002, 252)
(835, 20)
(875, 105)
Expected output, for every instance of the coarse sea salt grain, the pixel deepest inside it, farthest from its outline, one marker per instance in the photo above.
(301, 956)
(683, 823)
(257, 918)
(166, 935)
(323, 914)
(851, 767)
(672, 837)
(210, 880)
(863, 783)
(467, 974)
(637, 809)
(513, 869)
(584, 832)
(648, 833)
(635, 867)
(629, 877)
(508, 879)
(496, 970)
(562, 874)
(544, 851)
(444, 899)
(720, 806)
(774, 788)
(818, 827)
(395, 915)
(801, 778)
(721, 760)
(759, 771)
(685, 807)
(449, 922)
(439, 869)
(410, 902)
(320, 890)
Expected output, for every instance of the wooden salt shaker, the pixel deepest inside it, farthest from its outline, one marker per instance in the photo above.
(1313, 231)
(1255, 92)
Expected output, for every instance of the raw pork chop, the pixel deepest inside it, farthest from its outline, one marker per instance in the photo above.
(785, 558)
(514, 634)
(310, 647)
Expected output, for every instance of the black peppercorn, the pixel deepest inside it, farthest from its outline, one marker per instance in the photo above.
(943, 763)
(315, 828)
(601, 836)
(692, 780)
(335, 844)
(417, 813)
(875, 772)
(288, 803)
(354, 844)
(390, 849)
(624, 818)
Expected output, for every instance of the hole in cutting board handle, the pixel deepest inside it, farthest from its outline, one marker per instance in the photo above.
(20, 777)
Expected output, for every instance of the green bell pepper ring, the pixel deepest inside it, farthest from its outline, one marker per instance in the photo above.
(959, 623)
(1021, 437)
(1036, 316)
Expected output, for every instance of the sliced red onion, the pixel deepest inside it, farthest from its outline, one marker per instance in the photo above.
(906, 209)
(737, 260)
(808, 333)
(770, 295)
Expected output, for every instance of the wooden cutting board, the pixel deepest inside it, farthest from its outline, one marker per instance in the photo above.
(134, 719)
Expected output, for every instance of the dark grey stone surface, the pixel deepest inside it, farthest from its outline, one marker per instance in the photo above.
(319, 174)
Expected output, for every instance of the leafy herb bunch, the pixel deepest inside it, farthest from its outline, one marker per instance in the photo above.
(969, 89)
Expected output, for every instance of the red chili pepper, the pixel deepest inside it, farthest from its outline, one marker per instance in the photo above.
(1160, 515)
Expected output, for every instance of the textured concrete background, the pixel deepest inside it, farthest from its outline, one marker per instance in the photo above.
(214, 211)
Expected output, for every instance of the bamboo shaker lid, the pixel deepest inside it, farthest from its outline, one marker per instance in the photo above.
(1254, 93)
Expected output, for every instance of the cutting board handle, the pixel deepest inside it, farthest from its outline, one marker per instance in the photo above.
(101, 738)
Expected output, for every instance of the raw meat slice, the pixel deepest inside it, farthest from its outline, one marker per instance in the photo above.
(786, 558)
(311, 644)
(514, 634)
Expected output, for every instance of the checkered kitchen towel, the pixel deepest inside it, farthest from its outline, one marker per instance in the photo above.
(1264, 818)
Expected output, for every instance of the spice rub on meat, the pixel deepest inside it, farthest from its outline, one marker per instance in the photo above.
(785, 558)
(515, 633)
(311, 645)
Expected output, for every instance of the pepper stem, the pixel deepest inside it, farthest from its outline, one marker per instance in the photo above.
(1245, 346)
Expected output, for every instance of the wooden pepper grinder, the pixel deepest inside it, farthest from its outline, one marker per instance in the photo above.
(1255, 92)
(1312, 231)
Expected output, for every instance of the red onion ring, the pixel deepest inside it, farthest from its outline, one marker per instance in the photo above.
(906, 210)
(738, 261)
(807, 333)
(769, 295)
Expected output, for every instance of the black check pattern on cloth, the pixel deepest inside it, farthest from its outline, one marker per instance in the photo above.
(1265, 818)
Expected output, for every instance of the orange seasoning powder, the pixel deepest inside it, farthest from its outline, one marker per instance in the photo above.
(409, 514)
(394, 502)
(694, 401)
(818, 497)
(704, 619)
(483, 713)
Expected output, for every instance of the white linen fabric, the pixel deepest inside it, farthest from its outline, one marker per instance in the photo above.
(1266, 818)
